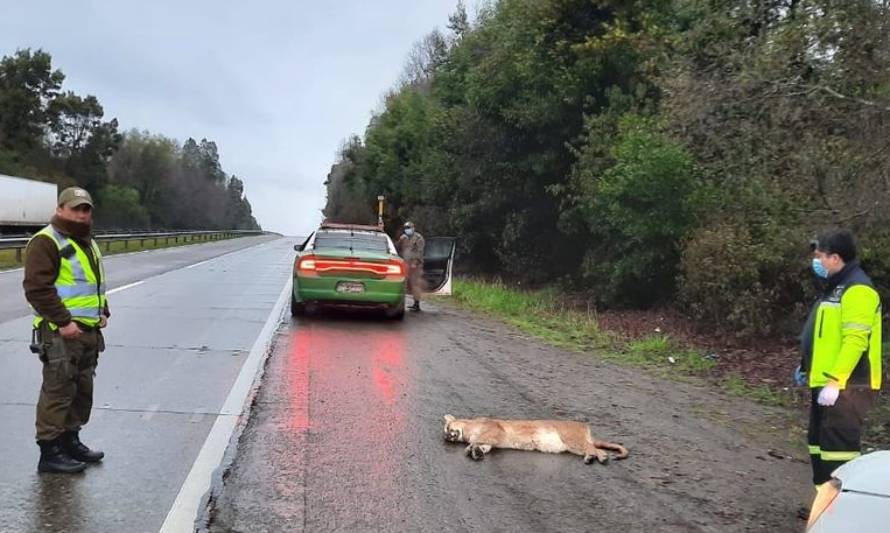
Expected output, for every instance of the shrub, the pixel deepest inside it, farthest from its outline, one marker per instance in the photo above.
(640, 211)
(746, 283)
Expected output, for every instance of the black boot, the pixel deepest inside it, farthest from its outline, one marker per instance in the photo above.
(416, 306)
(76, 449)
(54, 459)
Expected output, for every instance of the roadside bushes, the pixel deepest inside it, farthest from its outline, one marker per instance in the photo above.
(874, 254)
(639, 210)
(745, 282)
(121, 207)
(675, 153)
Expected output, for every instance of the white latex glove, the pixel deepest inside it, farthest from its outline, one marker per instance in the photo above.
(828, 395)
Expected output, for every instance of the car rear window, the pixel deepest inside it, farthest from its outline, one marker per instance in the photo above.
(364, 242)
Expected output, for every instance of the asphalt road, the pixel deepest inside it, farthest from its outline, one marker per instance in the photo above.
(177, 341)
(346, 435)
(123, 269)
(346, 431)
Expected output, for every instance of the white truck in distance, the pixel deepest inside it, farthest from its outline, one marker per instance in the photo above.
(25, 205)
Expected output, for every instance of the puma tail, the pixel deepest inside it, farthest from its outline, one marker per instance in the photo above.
(622, 452)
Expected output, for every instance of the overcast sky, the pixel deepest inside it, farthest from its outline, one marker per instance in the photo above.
(278, 84)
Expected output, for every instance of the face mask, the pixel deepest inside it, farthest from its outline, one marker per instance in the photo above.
(819, 268)
(409, 232)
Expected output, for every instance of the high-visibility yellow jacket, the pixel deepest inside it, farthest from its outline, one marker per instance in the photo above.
(842, 337)
(81, 289)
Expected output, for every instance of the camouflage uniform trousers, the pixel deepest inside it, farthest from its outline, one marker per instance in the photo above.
(66, 396)
(415, 278)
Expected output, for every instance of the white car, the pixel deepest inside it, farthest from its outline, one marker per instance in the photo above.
(856, 499)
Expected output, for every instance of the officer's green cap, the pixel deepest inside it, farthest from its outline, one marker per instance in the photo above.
(73, 197)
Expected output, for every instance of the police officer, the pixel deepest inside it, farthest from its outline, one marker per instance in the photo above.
(411, 247)
(841, 345)
(65, 285)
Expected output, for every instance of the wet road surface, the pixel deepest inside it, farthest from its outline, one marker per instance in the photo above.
(346, 435)
(175, 345)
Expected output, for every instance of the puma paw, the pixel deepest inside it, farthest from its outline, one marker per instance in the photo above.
(588, 459)
(475, 453)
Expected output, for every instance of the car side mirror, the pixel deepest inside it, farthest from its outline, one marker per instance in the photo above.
(298, 247)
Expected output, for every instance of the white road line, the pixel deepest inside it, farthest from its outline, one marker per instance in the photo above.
(233, 252)
(106, 258)
(125, 287)
(186, 508)
(198, 264)
(225, 255)
(137, 283)
(171, 248)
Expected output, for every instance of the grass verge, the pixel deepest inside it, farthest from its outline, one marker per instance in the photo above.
(535, 312)
(540, 314)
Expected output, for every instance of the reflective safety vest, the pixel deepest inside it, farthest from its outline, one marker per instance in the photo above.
(846, 334)
(82, 292)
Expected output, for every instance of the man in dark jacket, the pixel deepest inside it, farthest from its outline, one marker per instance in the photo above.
(841, 345)
(65, 285)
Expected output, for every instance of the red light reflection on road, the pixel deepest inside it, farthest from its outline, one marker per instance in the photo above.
(388, 367)
(319, 349)
(298, 379)
(348, 387)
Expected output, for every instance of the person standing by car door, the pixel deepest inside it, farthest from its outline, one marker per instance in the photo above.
(411, 247)
(65, 285)
(841, 345)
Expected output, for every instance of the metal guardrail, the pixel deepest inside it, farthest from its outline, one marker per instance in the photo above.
(19, 243)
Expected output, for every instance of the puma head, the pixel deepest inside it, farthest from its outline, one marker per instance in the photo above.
(453, 432)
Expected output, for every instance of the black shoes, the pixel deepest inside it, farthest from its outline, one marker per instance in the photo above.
(53, 459)
(415, 307)
(77, 450)
(66, 454)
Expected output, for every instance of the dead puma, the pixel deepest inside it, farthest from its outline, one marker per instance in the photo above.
(551, 436)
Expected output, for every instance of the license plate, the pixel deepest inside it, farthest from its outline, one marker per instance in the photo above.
(350, 287)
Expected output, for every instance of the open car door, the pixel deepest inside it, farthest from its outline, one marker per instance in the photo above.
(438, 257)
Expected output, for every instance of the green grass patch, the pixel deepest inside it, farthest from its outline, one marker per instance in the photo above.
(542, 314)
(536, 312)
(8, 259)
(662, 351)
(735, 384)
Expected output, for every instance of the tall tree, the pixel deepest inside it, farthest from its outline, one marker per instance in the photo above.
(80, 138)
(28, 84)
(138, 179)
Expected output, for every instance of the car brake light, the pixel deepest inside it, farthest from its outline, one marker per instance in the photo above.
(307, 265)
(394, 268)
(825, 496)
(321, 265)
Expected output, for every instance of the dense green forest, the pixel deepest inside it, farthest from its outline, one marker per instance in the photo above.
(139, 180)
(646, 153)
